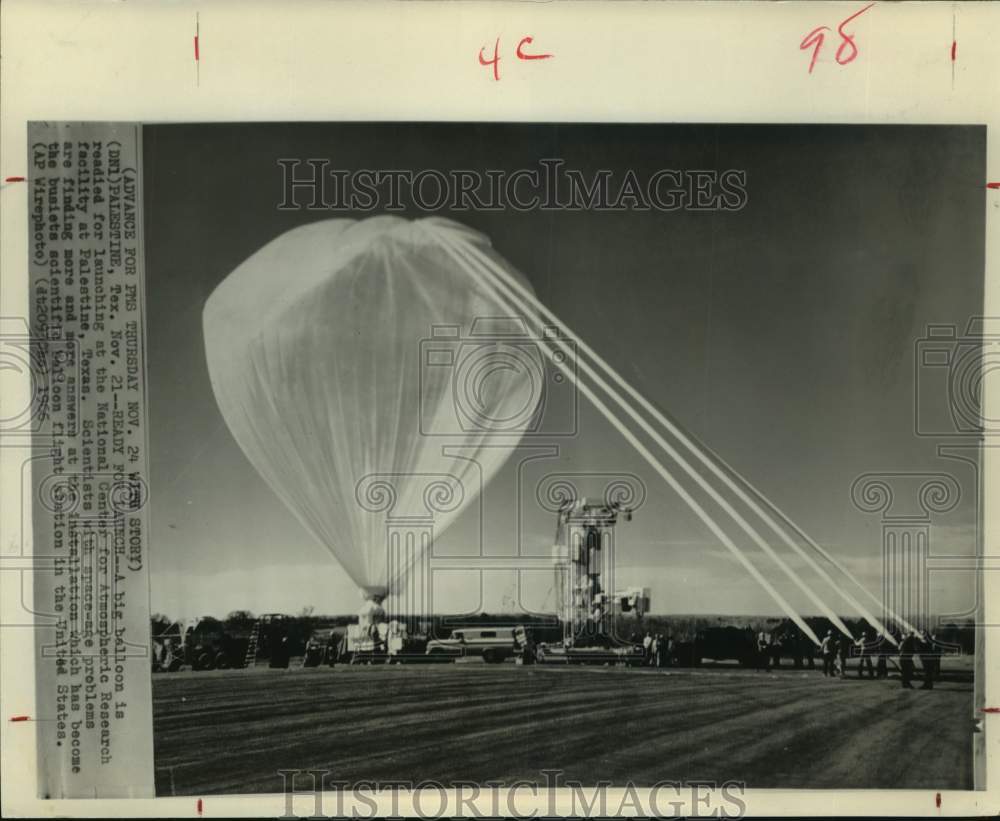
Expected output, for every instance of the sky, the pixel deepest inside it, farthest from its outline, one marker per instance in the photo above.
(781, 335)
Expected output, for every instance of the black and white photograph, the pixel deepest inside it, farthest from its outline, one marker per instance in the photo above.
(579, 409)
(565, 454)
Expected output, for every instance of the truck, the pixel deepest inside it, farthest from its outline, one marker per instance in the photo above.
(493, 643)
(207, 643)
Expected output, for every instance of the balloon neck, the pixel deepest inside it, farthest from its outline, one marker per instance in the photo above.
(375, 594)
(371, 611)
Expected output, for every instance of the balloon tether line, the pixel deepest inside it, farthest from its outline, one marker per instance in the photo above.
(672, 481)
(680, 435)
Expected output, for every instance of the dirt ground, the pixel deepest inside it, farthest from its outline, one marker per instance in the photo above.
(232, 731)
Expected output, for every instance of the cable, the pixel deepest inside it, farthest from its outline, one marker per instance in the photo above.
(664, 473)
(508, 281)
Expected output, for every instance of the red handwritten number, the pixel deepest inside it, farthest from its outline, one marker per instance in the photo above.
(522, 56)
(814, 39)
(847, 39)
(495, 62)
(519, 52)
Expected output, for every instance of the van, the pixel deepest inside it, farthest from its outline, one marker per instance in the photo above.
(494, 644)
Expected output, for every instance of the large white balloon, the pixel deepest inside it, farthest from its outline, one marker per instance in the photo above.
(344, 360)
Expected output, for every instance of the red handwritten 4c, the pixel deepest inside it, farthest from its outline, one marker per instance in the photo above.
(814, 39)
(520, 52)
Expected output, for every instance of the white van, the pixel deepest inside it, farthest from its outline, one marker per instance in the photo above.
(494, 644)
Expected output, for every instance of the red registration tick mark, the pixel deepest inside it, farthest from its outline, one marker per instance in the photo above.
(197, 48)
(847, 51)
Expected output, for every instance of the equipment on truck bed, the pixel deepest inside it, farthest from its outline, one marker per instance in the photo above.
(373, 639)
(587, 601)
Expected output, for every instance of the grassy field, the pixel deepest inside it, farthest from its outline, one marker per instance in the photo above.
(231, 731)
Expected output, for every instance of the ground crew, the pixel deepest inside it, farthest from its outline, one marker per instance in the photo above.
(796, 642)
(281, 654)
(828, 648)
(907, 647)
(763, 652)
(524, 646)
(882, 667)
(843, 649)
(864, 655)
(928, 659)
(775, 651)
(660, 659)
(938, 652)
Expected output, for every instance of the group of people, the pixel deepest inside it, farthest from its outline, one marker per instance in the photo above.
(657, 651)
(874, 653)
(767, 651)
(835, 651)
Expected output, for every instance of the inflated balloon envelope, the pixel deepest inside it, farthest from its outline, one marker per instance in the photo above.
(316, 349)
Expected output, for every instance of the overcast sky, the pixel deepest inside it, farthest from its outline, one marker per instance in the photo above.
(782, 335)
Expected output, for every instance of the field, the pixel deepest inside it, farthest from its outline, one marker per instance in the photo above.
(232, 731)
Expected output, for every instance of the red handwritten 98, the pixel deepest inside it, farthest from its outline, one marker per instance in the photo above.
(846, 52)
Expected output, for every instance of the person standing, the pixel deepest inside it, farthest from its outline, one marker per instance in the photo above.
(906, 650)
(647, 649)
(661, 651)
(928, 660)
(796, 641)
(844, 644)
(828, 649)
(881, 666)
(763, 652)
(864, 655)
